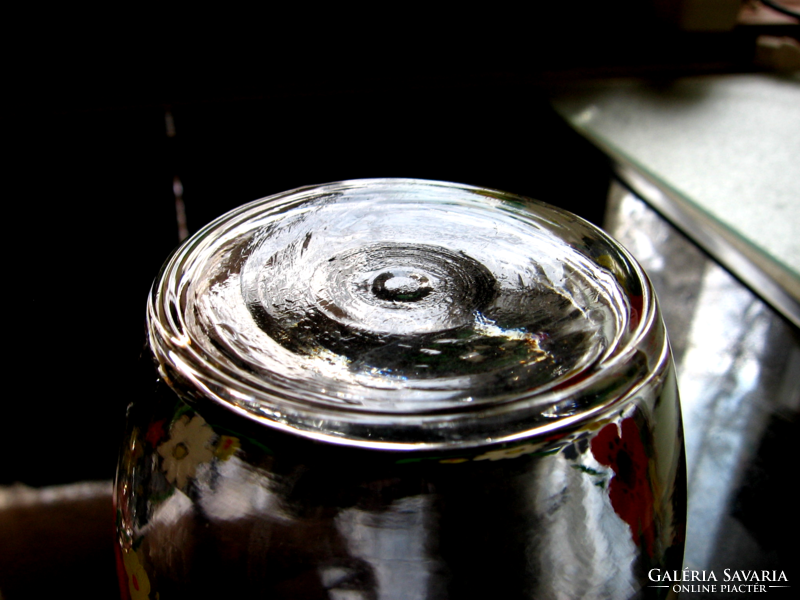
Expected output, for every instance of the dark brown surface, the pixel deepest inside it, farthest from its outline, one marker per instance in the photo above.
(55, 540)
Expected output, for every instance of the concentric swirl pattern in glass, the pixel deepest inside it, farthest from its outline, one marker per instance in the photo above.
(390, 311)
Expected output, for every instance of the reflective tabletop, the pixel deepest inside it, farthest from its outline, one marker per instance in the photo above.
(738, 363)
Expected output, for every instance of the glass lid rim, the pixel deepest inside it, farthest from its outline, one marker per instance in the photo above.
(170, 344)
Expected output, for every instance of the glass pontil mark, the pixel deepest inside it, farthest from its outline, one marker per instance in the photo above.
(399, 286)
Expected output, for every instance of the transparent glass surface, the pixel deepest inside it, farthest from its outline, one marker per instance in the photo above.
(400, 311)
(393, 389)
(737, 364)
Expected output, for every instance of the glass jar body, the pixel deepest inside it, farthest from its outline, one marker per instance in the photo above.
(210, 502)
(402, 389)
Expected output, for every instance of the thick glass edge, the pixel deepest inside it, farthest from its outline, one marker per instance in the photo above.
(175, 353)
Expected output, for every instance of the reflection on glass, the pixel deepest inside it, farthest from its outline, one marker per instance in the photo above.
(737, 363)
(403, 389)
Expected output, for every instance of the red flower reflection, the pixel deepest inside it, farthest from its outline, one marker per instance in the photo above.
(629, 492)
(155, 432)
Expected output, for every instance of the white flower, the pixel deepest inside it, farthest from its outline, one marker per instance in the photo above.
(186, 448)
(508, 452)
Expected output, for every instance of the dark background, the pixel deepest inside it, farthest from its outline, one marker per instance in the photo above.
(261, 104)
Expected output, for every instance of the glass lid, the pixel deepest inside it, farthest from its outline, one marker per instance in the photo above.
(397, 312)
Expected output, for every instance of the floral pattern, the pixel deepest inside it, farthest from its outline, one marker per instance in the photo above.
(138, 581)
(620, 447)
(175, 453)
(158, 459)
(155, 432)
(227, 447)
(186, 449)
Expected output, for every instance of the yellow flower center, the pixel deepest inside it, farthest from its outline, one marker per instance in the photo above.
(180, 451)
